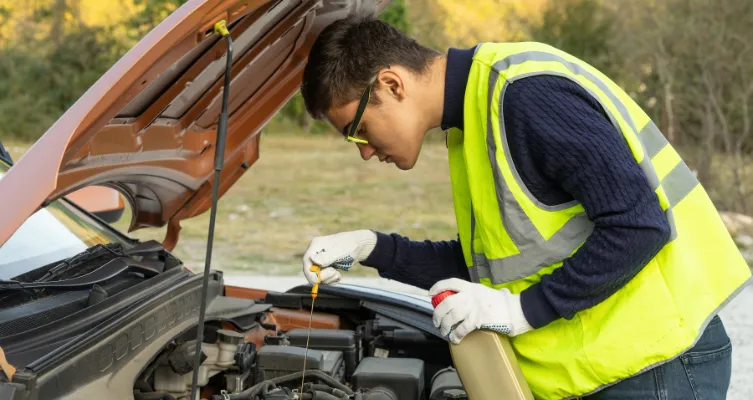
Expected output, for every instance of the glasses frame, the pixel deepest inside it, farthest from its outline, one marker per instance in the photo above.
(365, 97)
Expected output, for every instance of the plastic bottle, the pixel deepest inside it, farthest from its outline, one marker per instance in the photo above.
(487, 365)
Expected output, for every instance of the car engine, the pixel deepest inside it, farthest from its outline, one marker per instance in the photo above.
(352, 354)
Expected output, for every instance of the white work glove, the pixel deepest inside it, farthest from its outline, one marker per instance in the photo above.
(476, 306)
(337, 252)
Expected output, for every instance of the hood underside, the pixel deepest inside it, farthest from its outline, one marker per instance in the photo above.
(147, 127)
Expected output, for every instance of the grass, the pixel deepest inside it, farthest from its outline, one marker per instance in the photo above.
(305, 186)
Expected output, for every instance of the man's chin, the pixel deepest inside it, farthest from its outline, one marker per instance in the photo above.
(405, 166)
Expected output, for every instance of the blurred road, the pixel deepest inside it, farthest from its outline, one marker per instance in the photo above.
(737, 317)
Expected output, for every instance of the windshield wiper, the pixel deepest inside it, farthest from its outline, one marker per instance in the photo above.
(76, 262)
(150, 253)
(94, 265)
(106, 272)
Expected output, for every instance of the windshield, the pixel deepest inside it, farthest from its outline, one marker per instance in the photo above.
(53, 233)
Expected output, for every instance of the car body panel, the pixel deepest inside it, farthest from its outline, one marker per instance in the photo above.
(147, 127)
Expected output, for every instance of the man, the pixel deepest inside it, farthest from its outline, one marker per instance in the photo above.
(582, 234)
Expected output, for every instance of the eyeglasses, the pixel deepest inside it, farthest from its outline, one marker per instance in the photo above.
(359, 113)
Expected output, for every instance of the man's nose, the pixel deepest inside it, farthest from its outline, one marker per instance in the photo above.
(367, 151)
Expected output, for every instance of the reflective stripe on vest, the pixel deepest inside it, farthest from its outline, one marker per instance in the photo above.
(536, 252)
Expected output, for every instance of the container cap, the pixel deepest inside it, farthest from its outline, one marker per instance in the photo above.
(438, 298)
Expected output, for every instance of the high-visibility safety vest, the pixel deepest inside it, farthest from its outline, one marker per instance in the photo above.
(510, 239)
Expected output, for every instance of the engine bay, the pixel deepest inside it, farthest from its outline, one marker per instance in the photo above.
(355, 351)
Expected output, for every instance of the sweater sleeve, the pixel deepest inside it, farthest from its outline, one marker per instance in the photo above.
(562, 131)
(417, 263)
(4, 154)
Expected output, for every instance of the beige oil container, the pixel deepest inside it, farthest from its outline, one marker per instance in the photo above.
(487, 366)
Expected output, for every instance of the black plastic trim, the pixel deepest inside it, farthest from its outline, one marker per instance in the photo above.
(111, 347)
(77, 323)
(118, 317)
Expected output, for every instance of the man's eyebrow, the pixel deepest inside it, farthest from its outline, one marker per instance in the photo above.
(345, 128)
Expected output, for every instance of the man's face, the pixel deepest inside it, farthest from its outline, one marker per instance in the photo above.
(393, 129)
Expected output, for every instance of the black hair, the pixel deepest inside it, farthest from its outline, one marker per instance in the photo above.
(348, 53)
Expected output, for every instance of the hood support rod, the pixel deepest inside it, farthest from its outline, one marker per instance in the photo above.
(219, 161)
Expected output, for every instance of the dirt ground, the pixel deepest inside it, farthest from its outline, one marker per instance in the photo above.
(737, 318)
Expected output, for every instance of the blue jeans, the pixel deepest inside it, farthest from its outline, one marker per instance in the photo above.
(701, 373)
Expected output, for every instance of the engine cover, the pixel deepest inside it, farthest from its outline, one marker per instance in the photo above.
(276, 361)
(403, 376)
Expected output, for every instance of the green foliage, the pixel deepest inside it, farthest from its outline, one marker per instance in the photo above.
(5, 15)
(396, 14)
(153, 13)
(583, 28)
(76, 63)
(293, 116)
(45, 75)
(23, 114)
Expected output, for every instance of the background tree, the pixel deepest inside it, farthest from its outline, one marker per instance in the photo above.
(583, 28)
(698, 62)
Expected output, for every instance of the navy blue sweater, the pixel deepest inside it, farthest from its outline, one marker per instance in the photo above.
(564, 148)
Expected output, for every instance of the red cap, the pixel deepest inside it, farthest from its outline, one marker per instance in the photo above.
(438, 298)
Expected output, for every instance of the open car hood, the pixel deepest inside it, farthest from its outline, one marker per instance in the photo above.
(147, 127)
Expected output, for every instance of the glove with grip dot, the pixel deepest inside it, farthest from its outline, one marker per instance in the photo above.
(475, 306)
(338, 252)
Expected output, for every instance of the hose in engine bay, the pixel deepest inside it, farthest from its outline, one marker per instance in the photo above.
(262, 387)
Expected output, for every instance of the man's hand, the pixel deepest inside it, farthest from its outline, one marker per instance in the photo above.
(476, 306)
(337, 252)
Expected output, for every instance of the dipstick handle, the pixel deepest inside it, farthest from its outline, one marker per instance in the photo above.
(315, 289)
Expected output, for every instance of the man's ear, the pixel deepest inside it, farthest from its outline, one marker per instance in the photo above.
(392, 83)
